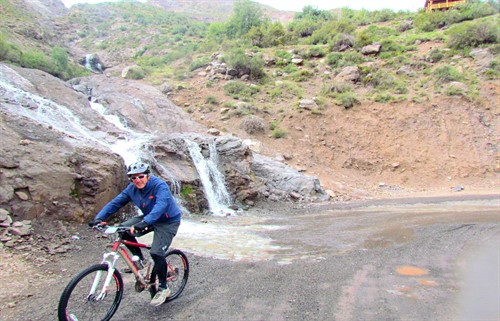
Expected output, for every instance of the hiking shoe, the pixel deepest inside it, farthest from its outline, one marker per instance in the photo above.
(161, 296)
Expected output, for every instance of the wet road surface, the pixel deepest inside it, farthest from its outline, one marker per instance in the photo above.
(410, 259)
(407, 259)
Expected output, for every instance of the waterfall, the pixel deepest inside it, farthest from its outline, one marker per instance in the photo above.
(130, 145)
(46, 112)
(131, 148)
(211, 178)
(92, 63)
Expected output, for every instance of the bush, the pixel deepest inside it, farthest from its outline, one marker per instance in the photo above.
(300, 75)
(337, 60)
(212, 100)
(290, 68)
(135, 73)
(472, 34)
(342, 41)
(198, 63)
(337, 87)
(237, 89)
(317, 51)
(279, 133)
(347, 99)
(380, 79)
(239, 60)
(4, 48)
(35, 60)
(447, 74)
(435, 55)
(287, 89)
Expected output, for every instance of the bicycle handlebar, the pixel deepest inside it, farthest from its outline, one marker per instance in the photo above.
(111, 229)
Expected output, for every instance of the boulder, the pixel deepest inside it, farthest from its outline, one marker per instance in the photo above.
(349, 74)
(373, 49)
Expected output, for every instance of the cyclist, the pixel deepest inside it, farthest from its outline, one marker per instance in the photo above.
(160, 213)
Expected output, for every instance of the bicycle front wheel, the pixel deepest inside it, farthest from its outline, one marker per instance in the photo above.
(85, 297)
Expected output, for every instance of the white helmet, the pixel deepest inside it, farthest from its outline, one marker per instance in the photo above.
(138, 168)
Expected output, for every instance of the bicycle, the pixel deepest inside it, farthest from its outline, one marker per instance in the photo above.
(96, 292)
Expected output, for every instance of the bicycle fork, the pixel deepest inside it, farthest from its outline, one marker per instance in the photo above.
(109, 259)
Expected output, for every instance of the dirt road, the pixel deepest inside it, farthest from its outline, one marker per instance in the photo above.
(407, 259)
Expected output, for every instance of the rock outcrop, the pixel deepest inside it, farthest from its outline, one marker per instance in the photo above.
(62, 156)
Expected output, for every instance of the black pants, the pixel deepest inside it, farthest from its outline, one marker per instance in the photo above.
(163, 236)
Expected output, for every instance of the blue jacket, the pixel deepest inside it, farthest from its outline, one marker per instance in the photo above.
(154, 200)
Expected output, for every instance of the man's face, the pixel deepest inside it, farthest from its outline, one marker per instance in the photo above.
(139, 180)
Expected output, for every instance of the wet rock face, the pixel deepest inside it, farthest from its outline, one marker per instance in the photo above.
(59, 159)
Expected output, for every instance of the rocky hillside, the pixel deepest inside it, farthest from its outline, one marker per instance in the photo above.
(386, 125)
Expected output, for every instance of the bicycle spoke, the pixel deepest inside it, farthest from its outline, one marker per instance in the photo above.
(177, 272)
(85, 298)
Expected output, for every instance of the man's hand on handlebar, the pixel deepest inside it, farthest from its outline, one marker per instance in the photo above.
(95, 222)
(142, 226)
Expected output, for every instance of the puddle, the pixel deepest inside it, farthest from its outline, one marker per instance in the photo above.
(389, 237)
(409, 270)
(428, 282)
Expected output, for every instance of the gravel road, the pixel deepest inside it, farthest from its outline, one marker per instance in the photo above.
(405, 259)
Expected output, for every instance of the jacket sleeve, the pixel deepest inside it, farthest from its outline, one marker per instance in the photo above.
(163, 197)
(114, 205)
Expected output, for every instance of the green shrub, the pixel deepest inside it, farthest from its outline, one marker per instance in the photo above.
(237, 89)
(239, 60)
(493, 71)
(473, 34)
(380, 79)
(290, 68)
(135, 73)
(337, 59)
(279, 133)
(317, 51)
(347, 99)
(301, 75)
(198, 63)
(212, 100)
(435, 55)
(36, 60)
(187, 191)
(342, 41)
(288, 89)
(273, 125)
(284, 54)
(336, 87)
(447, 74)
(383, 97)
(454, 91)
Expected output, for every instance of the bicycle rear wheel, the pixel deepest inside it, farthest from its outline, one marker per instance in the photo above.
(177, 274)
(78, 303)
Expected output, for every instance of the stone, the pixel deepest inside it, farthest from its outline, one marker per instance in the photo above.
(308, 104)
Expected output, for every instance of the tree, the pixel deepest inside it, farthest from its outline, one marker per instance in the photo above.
(246, 14)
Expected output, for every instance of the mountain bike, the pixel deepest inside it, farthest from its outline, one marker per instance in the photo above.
(96, 292)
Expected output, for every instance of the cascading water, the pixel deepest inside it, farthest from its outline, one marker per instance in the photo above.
(211, 178)
(131, 148)
(47, 112)
(92, 63)
(130, 145)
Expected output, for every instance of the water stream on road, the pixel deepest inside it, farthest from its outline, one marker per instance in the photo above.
(337, 231)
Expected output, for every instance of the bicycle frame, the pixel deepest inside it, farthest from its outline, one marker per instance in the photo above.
(118, 249)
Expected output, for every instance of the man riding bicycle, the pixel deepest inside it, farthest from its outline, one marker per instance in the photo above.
(160, 213)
